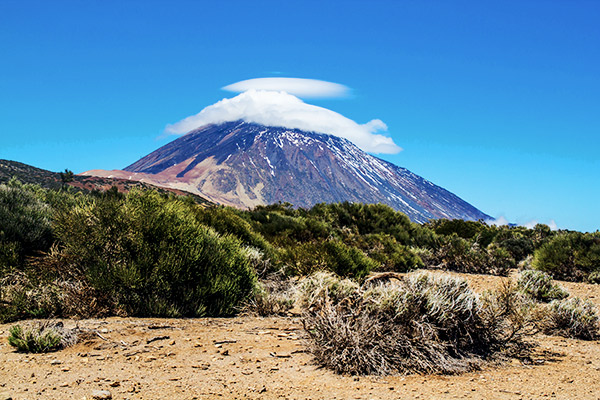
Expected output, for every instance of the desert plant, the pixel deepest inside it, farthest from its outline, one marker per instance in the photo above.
(40, 337)
(426, 323)
(22, 298)
(321, 286)
(273, 295)
(540, 286)
(509, 315)
(24, 222)
(572, 317)
(150, 254)
(569, 255)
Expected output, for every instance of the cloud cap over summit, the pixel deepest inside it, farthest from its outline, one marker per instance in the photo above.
(305, 88)
(278, 108)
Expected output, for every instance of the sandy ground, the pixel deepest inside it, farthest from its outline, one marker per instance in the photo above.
(264, 358)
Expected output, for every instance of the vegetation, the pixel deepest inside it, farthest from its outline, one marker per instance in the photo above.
(65, 253)
(424, 323)
(40, 338)
(571, 317)
(540, 286)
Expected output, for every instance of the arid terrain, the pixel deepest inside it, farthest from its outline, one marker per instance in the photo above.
(263, 358)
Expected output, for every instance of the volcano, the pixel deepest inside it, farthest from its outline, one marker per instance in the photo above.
(245, 164)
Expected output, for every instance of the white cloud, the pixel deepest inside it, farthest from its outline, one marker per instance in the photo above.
(529, 224)
(500, 221)
(282, 109)
(305, 88)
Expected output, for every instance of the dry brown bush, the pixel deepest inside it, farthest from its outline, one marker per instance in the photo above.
(425, 323)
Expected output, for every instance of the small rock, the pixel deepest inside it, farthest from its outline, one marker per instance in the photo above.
(150, 358)
(64, 384)
(115, 384)
(101, 395)
(65, 369)
(103, 330)
(55, 362)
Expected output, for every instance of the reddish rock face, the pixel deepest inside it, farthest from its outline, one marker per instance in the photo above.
(245, 164)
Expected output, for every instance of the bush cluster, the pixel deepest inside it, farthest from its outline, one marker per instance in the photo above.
(425, 323)
(66, 253)
(153, 257)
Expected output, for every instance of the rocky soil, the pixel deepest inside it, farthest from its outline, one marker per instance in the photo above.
(264, 358)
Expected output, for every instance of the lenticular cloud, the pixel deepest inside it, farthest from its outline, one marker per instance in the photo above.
(273, 108)
(305, 88)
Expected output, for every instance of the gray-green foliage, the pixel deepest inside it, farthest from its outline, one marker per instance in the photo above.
(540, 286)
(40, 338)
(425, 323)
(572, 317)
(153, 257)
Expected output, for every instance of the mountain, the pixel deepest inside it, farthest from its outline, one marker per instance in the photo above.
(246, 164)
(53, 180)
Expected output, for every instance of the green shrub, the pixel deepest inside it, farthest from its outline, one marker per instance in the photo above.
(331, 255)
(347, 261)
(24, 222)
(226, 221)
(571, 318)
(150, 254)
(22, 298)
(40, 338)
(457, 254)
(539, 285)
(569, 256)
(384, 249)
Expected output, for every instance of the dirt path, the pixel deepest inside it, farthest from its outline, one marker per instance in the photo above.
(263, 358)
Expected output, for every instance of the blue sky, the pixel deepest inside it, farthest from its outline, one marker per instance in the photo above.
(498, 102)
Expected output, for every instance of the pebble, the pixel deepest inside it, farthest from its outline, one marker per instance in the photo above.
(55, 362)
(101, 395)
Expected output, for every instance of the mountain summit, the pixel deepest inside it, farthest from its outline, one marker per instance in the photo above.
(246, 164)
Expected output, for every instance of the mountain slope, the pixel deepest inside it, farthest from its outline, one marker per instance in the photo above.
(246, 164)
(53, 180)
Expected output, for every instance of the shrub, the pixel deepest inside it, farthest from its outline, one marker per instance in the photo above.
(271, 296)
(539, 285)
(24, 222)
(325, 286)
(384, 249)
(225, 220)
(571, 318)
(332, 255)
(150, 254)
(347, 261)
(21, 298)
(570, 256)
(457, 254)
(41, 337)
(426, 324)
(509, 315)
